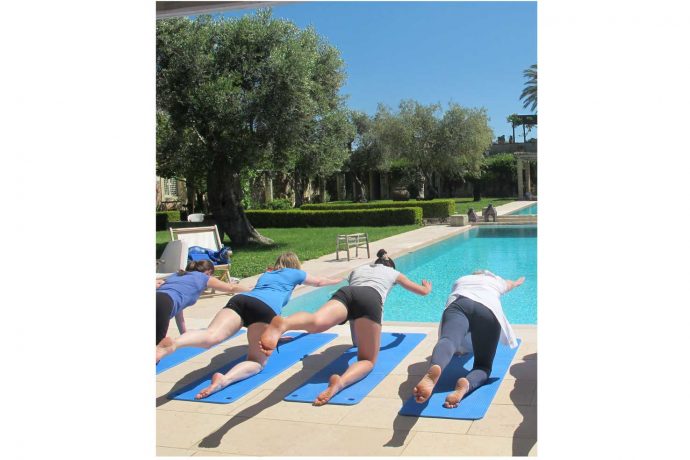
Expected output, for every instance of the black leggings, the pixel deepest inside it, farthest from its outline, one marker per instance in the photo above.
(164, 306)
(462, 316)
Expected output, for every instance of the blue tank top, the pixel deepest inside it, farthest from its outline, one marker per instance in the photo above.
(274, 288)
(184, 290)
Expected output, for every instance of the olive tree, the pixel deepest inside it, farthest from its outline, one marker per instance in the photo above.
(244, 89)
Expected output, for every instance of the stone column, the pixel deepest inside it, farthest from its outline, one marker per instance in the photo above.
(384, 186)
(528, 179)
(371, 186)
(322, 188)
(268, 188)
(340, 186)
(521, 191)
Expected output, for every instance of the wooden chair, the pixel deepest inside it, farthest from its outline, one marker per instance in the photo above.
(353, 240)
(206, 237)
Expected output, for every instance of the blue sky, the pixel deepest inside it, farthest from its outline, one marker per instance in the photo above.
(471, 53)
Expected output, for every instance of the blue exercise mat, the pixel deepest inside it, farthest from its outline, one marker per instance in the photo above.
(183, 354)
(394, 347)
(474, 405)
(288, 354)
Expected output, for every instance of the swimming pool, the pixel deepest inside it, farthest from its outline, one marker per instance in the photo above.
(508, 251)
(529, 210)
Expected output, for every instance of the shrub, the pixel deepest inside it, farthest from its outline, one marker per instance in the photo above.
(280, 203)
(430, 208)
(335, 218)
(163, 217)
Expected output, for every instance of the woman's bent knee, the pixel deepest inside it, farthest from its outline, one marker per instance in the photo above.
(213, 338)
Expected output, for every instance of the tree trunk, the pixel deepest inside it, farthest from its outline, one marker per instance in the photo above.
(191, 194)
(476, 191)
(299, 186)
(200, 204)
(361, 197)
(524, 135)
(225, 203)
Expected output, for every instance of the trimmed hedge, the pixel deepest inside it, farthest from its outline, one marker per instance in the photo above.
(342, 218)
(163, 217)
(430, 208)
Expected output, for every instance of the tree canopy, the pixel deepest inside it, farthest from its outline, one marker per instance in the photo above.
(529, 92)
(239, 94)
(430, 141)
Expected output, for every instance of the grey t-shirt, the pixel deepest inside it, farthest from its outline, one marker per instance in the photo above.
(377, 276)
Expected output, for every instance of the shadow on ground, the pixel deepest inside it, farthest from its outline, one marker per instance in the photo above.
(524, 435)
(404, 423)
(213, 440)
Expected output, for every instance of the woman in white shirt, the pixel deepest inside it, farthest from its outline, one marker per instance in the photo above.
(472, 321)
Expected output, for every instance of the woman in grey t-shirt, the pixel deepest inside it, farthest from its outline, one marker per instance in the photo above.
(361, 303)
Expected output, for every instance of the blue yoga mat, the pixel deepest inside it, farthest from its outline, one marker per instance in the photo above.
(394, 347)
(474, 405)
(288, 354)
(183, 354)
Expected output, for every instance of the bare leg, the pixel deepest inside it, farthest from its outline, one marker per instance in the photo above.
(369, 342)
(461, 388)
(353, 334)
(331, 313)
(426, 386)
(252, 366)
(224, 324)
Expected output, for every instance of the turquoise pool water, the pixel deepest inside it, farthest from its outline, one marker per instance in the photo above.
(530, 210)
(508, 251)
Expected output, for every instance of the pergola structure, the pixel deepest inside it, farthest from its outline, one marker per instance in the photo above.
(523, 164)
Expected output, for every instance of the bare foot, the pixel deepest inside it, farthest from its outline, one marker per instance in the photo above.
(461, 388)
(425, 386)
(164, 348)
(269, 339)
(334, 386)
(216, 384)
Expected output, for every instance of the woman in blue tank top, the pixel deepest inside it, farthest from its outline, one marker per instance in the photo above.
(254, 310)
(182, 290)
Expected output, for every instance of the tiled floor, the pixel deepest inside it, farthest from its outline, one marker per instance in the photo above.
(262, 424)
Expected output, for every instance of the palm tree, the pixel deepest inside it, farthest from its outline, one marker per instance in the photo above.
(529, 94)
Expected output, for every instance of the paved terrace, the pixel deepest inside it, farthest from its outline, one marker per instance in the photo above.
(262, 424)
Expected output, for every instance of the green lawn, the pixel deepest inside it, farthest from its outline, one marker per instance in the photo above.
(312, 243)
(307, 243)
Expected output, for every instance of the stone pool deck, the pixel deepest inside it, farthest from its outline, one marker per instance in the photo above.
(262, 424)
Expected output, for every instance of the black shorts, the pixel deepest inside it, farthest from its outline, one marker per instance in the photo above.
(361, 302)
(164, 307)
(250, 309)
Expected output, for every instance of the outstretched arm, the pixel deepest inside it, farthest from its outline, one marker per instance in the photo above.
(411, 286)
(219, 285)
(514, 284)
(312, 280)
(179, 319)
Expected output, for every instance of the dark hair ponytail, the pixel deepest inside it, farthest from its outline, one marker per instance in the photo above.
(383, 259)
(197, 266)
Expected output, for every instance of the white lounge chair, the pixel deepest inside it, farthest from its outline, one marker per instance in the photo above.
(206, 237)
